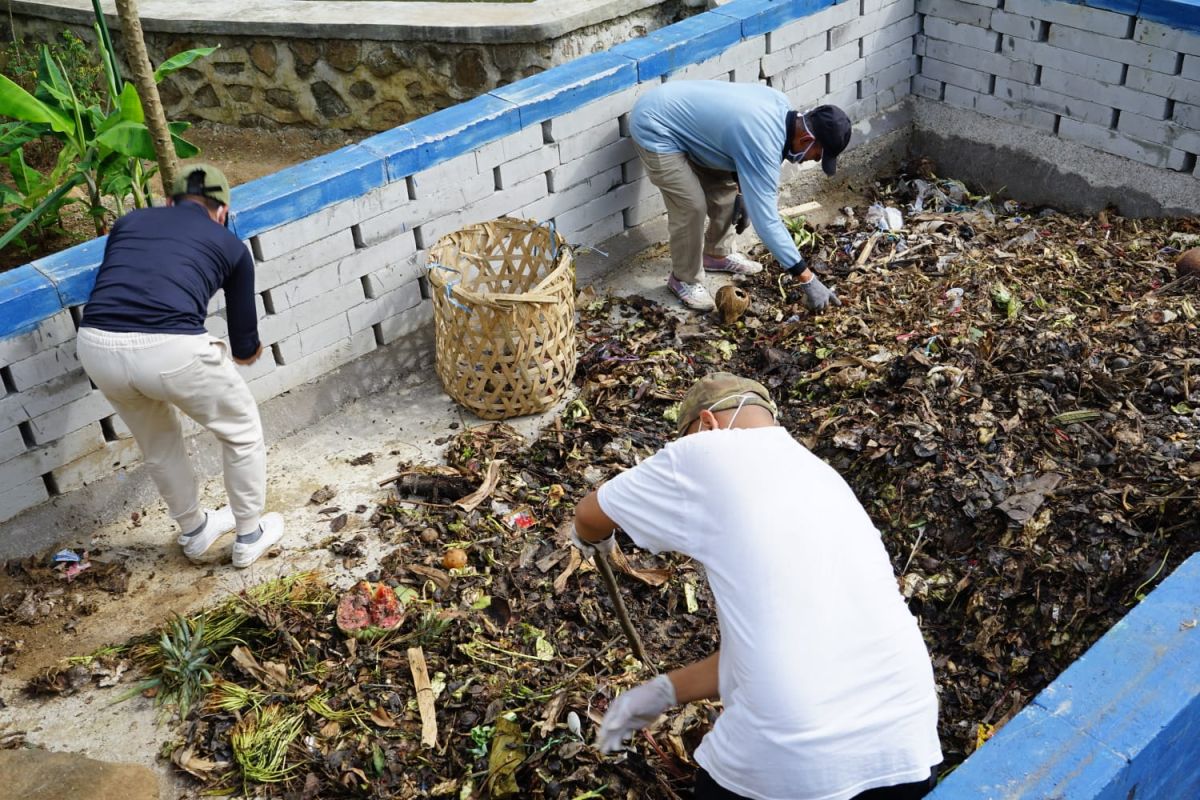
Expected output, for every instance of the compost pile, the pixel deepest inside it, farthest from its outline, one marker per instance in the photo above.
(1009, 391)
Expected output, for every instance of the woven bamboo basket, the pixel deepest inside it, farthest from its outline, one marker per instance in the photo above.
(504, 316)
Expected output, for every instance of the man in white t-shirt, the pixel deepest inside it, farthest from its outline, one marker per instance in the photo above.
(827, 686)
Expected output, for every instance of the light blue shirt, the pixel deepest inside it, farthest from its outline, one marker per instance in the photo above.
(735, 127)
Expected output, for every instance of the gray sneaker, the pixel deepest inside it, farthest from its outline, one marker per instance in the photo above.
(271, 526)
(216, 525)
(692, 295)
(734, 263)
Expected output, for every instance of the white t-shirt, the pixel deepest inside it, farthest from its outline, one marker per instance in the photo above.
(827, 685)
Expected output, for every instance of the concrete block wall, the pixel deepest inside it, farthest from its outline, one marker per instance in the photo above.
(1119, 76)
(340, 242)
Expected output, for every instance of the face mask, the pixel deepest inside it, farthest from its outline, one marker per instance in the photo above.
(795, 158)
(737, 411)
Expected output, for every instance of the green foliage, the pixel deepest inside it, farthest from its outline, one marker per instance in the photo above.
(185, 669)
(101, 135)
(83, 68)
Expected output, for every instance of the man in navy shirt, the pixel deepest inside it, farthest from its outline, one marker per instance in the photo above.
(702, 141)
(143, 343)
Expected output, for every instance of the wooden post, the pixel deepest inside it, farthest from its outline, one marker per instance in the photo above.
(147, 89)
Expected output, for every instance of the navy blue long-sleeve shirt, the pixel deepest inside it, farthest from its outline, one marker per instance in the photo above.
(161, 268)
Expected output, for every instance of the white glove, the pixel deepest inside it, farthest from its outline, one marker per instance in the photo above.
(589, 549)
(634, 710)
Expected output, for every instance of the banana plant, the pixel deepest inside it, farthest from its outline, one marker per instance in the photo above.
(102, 149)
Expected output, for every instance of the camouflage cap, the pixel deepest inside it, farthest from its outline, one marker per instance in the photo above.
(203, 180)
(719, 391)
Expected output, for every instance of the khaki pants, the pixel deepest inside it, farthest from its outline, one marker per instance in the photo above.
(692, 193)
(146, 377)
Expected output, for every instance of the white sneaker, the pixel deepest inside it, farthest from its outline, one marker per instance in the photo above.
(272, 531)
(735, 263)
(692, 295)
(216, 525)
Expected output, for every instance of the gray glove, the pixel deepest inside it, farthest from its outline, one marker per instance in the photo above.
(817, 295)
(589, 549)
(634, 710)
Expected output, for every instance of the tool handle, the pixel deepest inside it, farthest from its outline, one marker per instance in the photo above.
(601, 561)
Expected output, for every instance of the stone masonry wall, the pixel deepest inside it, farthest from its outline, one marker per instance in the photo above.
(349, 84)
(340, 241)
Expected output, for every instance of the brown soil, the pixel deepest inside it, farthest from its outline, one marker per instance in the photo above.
(243, 153)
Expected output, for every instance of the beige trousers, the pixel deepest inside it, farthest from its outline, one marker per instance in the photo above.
(692, 193)
(146, 376)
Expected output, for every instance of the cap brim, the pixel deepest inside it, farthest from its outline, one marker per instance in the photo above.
(829, 164)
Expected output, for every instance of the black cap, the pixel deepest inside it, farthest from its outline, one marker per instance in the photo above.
(831, 127)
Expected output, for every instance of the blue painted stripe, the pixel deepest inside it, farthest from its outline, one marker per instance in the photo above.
(454, 131)
(73, 272)
(26, 298)
(397, 148)
(1181, 14)
(688, 42)
(304, 189)
(568, 86)
(1129, 7)
(763, 16)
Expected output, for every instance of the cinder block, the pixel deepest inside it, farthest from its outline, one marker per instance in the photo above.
(370, 259)
(389, 304)
(314, 338)
(538, 162)
(308, 286)
(834, 59)
(1167, 37)
(275, 327)
(957, 11)
(1054, 102)
(509, 147)
(1124, 50)
(924, 86)
(396, 275)
(646, 209)
(1100, 22)
(453, 170)
(20, 498)
(70, 417)
(888, 78)
(798, 53)
(108, 459)
(217, 326)
(748, 73)
(900, 31)
(810, 26)
(956, 75)
(20, 407)
(748, 51)
(390, 227)
(1098, 69)
(1187, 115)
(594, 163)
(579, 145)
(270, 273)
(1126, 99)
(995, 107)
(12, 443)
(894, 94)
(984, 3)
(947, 31)
(311, 367)
(328, 221)
(848, 75)
(435, 198)
(869, 23)
(41, 460)
(264, 365)
(843, 97)
(1121, 145)
(613, 202)
(49, 333)
(993, 63)
(45, 366)
(27, 297)
(600, 230)
(556, 203)
(1160, 132)
(1155, 83)
(495, 205)
(417, 324)
(597, 112)
(882, 59)
(806, 93)
(1016, 25)
(1191, 68)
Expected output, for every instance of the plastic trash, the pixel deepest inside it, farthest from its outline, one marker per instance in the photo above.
(954, 297)
(67, 556)
(885, 218)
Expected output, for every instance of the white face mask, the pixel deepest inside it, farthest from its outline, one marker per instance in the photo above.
(736, 411)
(797, 158)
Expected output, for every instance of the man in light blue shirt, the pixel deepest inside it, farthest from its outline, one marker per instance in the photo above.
(702, 141)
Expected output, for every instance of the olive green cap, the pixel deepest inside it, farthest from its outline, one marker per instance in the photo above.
(719, 391)
(203, 180)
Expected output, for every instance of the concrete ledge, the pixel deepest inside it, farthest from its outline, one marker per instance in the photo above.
(465, 23)
(1121, 722)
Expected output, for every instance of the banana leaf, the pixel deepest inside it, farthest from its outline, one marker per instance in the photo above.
(27, 220)
(19, 104)
(181, 60)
